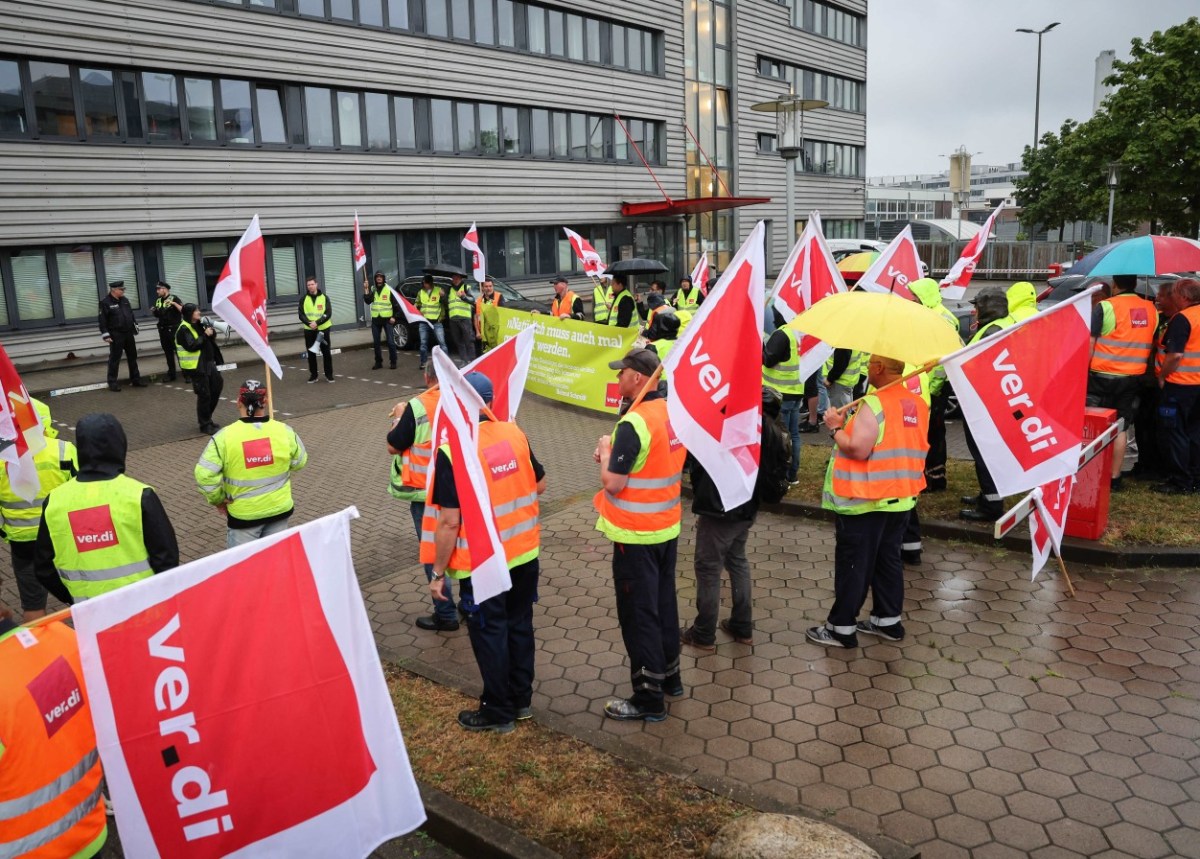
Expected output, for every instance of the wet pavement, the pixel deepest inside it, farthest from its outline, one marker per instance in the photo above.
(1012, 721)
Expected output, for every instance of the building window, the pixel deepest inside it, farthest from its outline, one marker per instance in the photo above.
(766, 144)
(53, 105)
(318, 116)
(200, 108)
(349, 120)
(98, 96)
(826, 20)
(271, 127)
(162, 107)
(379, 137)
(31, 285)
(12, 99)
(833, 159)
(840, 92)
(237, 116)
(405, 123)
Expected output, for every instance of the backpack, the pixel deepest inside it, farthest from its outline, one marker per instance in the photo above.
(774, 462)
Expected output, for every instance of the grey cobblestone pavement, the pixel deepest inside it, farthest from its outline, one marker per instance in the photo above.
(1013, 721)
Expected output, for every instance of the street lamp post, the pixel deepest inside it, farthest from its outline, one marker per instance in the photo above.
(1114, 179)
(789, 113)
(1037, 98)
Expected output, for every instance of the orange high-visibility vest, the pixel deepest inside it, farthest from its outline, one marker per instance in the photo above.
(647, 510)
(1188, 371)
(495, 302)
(50, 801)
(414, 462)
(512, 493)
(561, 307)
(1160, 344)
(896, 466)
(1125, 351)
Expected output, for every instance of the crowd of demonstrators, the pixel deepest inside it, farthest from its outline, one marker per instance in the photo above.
(316, 314)
(384, 309)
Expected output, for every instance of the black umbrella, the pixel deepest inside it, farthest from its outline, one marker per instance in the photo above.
(636, 266)
(444, 268)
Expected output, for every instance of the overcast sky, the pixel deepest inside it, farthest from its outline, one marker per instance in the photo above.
(944, 73)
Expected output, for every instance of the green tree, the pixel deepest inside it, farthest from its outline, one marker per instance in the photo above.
(1150, 125)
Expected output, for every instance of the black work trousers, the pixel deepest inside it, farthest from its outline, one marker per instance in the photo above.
(310, 337)
(866, 556)
(381, 331)
(501, 632)
(122, 341)
(166, 339)
(935, 458)
(207, 385)
(991, 501)
(1151, 447)
(644, 576)
(1179, 416)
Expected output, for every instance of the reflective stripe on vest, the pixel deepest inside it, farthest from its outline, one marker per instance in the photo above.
(561, 307)
(22, 518)
(785, 376)
(460, 308)
(253, 491)
(688, 301)
(1188, 371)
(429, 302)
(25, 846)
(855, 367)
(410, 468)
(647, 510)
(381, 303)
(1126, 350)
(187, 360)
(896, 467)
(614, 313)
(96, 530)
(601, 304)
(314, 309)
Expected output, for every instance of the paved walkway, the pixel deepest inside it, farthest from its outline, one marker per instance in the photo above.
(1012, 722)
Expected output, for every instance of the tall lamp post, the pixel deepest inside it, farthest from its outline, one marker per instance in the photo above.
(1114, 179)
(1037, 99)
(789, 113)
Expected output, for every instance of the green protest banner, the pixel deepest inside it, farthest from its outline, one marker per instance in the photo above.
(570, 358)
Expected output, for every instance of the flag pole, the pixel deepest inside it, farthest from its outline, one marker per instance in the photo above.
(1063, 567)
(270, 396)
(924, 368)
(61, 614)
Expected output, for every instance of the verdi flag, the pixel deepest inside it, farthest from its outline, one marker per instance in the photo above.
(715, 405)
(1048, 520)
(507, 368)
(593, 265)
(410, 311)
(897, 266)
(360, 252)
(478, 264)
(241, 294)
(700, 274)
(22, 435)
(241, 708)
(954, 284)
(1022, 393)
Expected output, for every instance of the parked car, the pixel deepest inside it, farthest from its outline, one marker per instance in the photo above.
(406, 335)
(842, 248)
(1063, 287)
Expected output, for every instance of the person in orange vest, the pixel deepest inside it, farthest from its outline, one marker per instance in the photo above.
(410, 441)
(501, 628)
(639, 511)
(487, 321)
(566, 304)
(872, 482)
(51, 803)
(1179, 379)
(1123, 327)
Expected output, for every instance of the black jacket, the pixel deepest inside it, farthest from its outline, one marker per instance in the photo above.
(206, 344)
(706, 500)
(168, 316)
(116, 316)
(328, 308)
(101, 444)
(665, 325)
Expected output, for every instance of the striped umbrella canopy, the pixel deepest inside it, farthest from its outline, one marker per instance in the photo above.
(857, 263)
(1144, 255)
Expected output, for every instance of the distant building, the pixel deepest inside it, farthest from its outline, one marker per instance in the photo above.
(893, 201)
(1104, 68)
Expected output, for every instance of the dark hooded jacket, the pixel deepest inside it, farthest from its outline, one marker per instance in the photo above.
(101, 443)
(666, 324)
(210, 352)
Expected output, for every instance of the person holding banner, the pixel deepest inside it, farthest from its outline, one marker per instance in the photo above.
(487, 321)
(385, 310)
(624, 306)
(103, 530)
(501, 628)
(566, 304)
(872, 482)
(641, 465)
(316, 312)
(50, 776)
(602, 300)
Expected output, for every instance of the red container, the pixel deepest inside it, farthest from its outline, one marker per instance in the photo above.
(1087, 516)
(1055, 269)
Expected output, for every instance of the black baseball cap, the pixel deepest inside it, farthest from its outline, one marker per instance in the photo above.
(644, 361)
(559, 279)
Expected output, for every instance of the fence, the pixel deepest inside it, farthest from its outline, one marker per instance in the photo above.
(1000, 259)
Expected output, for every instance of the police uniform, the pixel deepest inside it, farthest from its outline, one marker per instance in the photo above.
(118, 326)
(319, 309)
(168, 317)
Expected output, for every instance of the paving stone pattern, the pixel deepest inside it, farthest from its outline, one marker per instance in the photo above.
(1013, 720)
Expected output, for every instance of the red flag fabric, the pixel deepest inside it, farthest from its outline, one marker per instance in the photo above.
(507, 368)
(1048, 520)
(897, 266)
(715, 405)
(21, 432)
(954, 284)
(809, 275)
(458, 411)
(241, 294)
(408, 308)
(360, 252)
(700, 274)
(593, 265)
(211, 713)
(478, 264)
(1022, 392)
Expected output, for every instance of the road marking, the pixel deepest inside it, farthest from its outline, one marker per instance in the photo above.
(78, 389)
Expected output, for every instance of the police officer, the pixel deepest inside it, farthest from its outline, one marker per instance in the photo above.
(167, 310)
(316, 312)
(56, 463)
(991, 312)
(199, 357)
(50, 775)
(639, 511)
(501, 628)
(385, 310)
(566, 304)
(103, 529)
(458, 311)
(119, 330)
(410, 441)
(246, 469)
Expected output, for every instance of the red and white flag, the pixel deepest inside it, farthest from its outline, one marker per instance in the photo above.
(507, 368)
(1022, 392)
(954, 284)
(360, 252)
(897, 266)
(809, 275)
(700, 274)
(409, 309)
(1048, 520)
(458, 422)
(21, 432)
(478, 264)
(593, 265)
(715, 405)
(241, 294)
(214, 716)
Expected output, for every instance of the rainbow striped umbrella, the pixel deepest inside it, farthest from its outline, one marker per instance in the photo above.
(1144, 255)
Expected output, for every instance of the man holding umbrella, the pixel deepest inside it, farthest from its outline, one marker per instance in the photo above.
(624, 307)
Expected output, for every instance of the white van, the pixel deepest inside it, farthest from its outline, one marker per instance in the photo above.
(842, 248)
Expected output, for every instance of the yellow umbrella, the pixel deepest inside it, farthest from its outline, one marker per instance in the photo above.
(879, 324)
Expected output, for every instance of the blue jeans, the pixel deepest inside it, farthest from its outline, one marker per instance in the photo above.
(427, 334)
(241, 536)
(442, 609)
(822, 400)
(789, 415)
